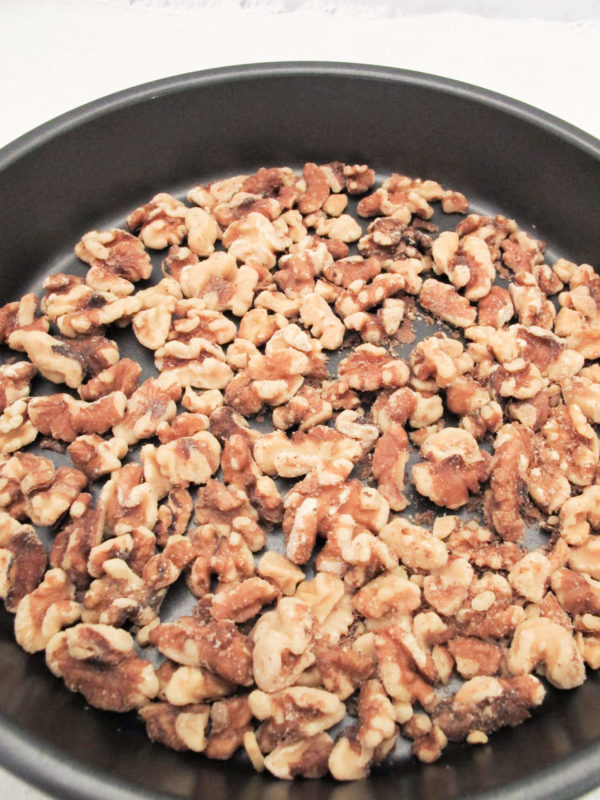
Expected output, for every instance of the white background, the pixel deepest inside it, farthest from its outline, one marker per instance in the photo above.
(58, 54)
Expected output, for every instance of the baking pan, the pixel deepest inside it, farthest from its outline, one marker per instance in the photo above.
(88, 168)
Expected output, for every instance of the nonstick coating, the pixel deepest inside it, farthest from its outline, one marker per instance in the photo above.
(90, 167)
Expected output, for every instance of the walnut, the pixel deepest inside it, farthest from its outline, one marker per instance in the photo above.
(438, 359)
(361, 296)
(180, 728)
(276, 454)
(397, 670)
(455, 465)
(15, 380)
(530, 575)
(282, 645)
(541, 641)
(444, 302)
(350, 759)
(579, 514)
(477, 544)
(127, 501)
(243, 601)
(45, 610)
(307, 758)
(228, 510)
(202, 231)
(369, 368)
(485, 704)
(446, 588)
(328, 600)
(191, 320)
(120, 377)
(416, 547)
(570, 445)
(100, 662)
(21, 317)
(278, 303)
(174, 515)
(378, 328)
(531, 305)
(74, 542)
(216, 191)
(216, 645)
(22, 561)
(220, 283)
(160, 223)
(62, 417)
(54, 360)
(184, 460)
(390, 592)
(396, 198)
(253, 237)
(113, 256)
(324, 325)
(198, 363)
(294, 338)
(390, 240)
(298, 269)
(489, 611)
(577, 593)
(389, 463)
(342, 229)
(474, 657)
(306, 409)
(181, 686)
(147, 407)
(293, 714)
(281, 571)
(96, 456)
(358, 178)
(16, 429)
(496, 308)
(467, 263)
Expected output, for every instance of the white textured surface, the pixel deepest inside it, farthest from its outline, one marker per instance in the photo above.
(58, 54)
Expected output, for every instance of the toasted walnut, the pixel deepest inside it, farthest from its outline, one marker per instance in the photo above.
(307, 758)
(282, 645)
(180, 462)
(160, 222)
(467, 263)
(276, 454)
(441, 359)
(474, 657)
(323, 324)
(127, 501)
(485, 704)
(180, 728)
(16, 429)
(147, 407)
(216, 645)
(529, 576)
(22, 561)
(50, 355)
(220, 283)
(531, 305)
(397, 670)
(416, 547)
(96, 456)
(113, 254)
(74, 542)
(390, 240)
(496, 308)
(228, 510)
(370, 368)
(350, 759)
(577, 593)
(541, 641)
(444, 302)
(305, 409)
(198, 363)
(579, 514)
(300, 267)
(293, 714)
(181, 686)
(243, 601)
(361, 296)
(585, 393)
(253, 237)
(62, 417)
(386, 593)
(15, 380)
(100, 662)
(455, 465)
(21, 317)
(358, 178)
(45, 610)
(389, 463)
(281, 571)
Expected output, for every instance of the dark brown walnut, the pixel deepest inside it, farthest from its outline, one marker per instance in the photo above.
(216, 645)
(390, 239)
(493, 230)
(343, 669)
(94, 353)
(345, 271)
(317, 189)
(135, 548)
(225, 422)
(96, 456)
(505, 499)
(113, 253)
(177, 727)
(244, 601)
(227, 509)
(99, 661)
(496, 308)
(487, 704)
(62, 417)
(74, 542)
(22, 561)
(479, 546)
(173, 515)
(359, 178)
(15, 382)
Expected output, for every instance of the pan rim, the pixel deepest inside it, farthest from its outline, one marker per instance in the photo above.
(59, 774)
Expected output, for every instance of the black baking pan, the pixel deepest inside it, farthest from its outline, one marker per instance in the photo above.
(90, 167)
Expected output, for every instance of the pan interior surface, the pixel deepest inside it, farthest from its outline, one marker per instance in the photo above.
(90, 168)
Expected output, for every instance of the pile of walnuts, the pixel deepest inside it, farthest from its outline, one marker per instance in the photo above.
(376, 622)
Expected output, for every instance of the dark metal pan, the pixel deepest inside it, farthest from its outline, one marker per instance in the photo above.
(90, 167)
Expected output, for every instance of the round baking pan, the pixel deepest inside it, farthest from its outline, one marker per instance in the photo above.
(90, 167)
